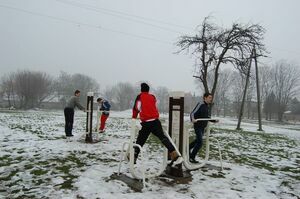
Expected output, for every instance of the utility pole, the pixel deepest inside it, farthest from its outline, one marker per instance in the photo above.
(258, 93)
(244, 95)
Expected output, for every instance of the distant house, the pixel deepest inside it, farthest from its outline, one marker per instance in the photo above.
(290, 116)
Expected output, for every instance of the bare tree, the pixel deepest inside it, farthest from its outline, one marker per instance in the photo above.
(109, 95)
(250, 97)
(269, 106)
(84, 83)
(162, 96)
(295, 106)
(221, 95)
(237, 91)
(63, 84)
(286, 81)
(215, 46)
(32, 87)
(7, 85)
(122, 95)
(66, 84)
(266, 85)
(190, 101)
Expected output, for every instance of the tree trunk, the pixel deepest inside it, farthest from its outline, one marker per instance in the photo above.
(224, 108)
(280, 116)
(248, 109)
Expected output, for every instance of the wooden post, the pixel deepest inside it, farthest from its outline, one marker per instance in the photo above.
(176, 127)
(89, 117)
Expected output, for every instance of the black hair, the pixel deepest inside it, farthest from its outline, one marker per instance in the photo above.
(206, 94)
(145, 87)
(76, 92)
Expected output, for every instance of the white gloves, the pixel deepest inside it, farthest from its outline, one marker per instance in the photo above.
(136, 123)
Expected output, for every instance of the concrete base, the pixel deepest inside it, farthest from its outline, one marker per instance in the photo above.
(185, 178)
(135, 184)
(175, 171)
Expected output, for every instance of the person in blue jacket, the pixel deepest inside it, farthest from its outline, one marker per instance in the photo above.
(202, 110)
(105, 108)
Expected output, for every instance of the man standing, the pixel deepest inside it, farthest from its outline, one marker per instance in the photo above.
(200, 111)
(69, 112)
(145, 106)
(104, 107)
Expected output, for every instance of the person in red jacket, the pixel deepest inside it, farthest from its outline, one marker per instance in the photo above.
(145, 106)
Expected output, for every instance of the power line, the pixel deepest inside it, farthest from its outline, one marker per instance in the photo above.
(84, 24)
(48, 16)
(123, 16)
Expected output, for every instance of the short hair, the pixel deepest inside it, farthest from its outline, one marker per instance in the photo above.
(145, 87)
(99, 99)
(76, 92)
(206, 94)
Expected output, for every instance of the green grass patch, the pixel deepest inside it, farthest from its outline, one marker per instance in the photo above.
(9, 177)
(39, 172)
(5, 160)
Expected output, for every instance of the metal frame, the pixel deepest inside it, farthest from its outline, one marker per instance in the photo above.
(128, 148)
(192, 166)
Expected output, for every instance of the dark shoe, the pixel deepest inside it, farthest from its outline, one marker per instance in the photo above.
(71, 135)
(192, 160)
(101, 131)
(128, 158)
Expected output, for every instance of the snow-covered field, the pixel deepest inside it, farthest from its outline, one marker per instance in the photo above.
(37, 162)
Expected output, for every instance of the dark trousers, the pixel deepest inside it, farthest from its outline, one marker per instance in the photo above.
(155, 128)
(196, 145)
(69, 119)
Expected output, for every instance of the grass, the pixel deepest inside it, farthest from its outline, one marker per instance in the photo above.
(260, 150)
(257, 148)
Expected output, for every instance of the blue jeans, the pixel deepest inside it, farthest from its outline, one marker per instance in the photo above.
(196, 145)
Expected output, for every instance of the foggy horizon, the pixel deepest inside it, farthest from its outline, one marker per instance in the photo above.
(131, 41)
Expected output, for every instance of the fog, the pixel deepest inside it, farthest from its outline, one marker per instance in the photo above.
(131, 40)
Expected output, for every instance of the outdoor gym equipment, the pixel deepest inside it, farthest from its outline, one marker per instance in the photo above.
(128, 151)
(179, 137)
(89, 117)
(207, 137)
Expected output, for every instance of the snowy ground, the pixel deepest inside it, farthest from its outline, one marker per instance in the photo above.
(37, 162)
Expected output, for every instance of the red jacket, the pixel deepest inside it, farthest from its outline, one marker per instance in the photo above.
(145, 105)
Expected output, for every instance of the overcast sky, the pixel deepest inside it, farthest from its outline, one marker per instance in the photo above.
(131, 40)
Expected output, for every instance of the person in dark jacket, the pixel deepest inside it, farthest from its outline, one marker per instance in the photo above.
(145, 107)
(202, 110)
(69, 112)
(104, 108)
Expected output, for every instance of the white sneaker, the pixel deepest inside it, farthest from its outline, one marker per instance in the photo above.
(179, 160)
(69, 139)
